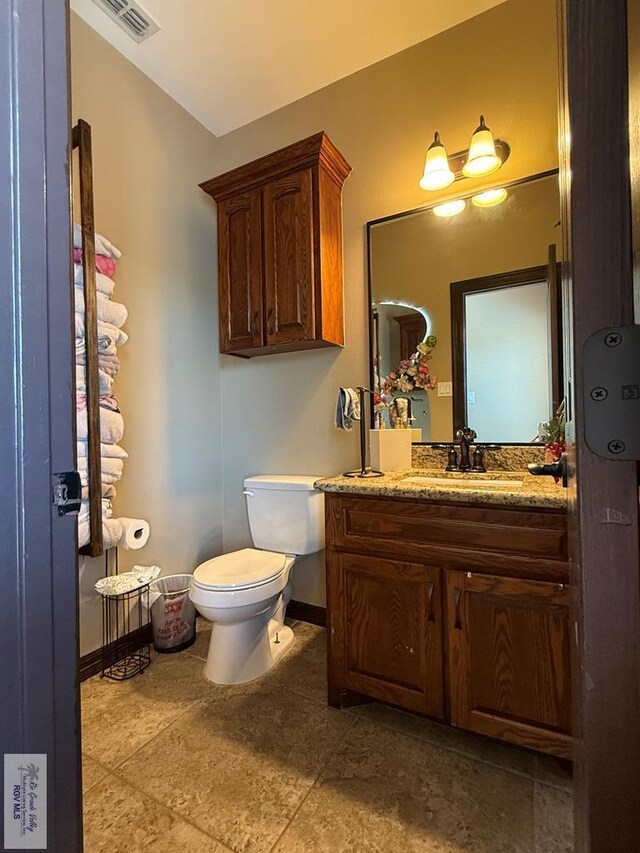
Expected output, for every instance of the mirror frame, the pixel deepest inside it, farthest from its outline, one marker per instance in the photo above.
(411, 212)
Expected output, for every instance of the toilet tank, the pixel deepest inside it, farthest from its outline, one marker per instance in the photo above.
(286, 514)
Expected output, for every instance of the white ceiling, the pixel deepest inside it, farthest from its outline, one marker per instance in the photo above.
(229, 62)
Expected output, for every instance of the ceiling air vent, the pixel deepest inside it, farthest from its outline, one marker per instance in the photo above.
(131, 17)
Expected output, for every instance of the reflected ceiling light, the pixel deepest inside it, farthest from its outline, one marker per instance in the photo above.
(482, 158)
(437, 172)
(489, 198)
(450, 208)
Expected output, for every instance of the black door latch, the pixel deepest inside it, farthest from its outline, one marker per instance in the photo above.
(67, 492)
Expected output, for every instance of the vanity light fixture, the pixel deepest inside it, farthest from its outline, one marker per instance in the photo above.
(482, 158)
(437, 171)
(450, 208)
(490, 198)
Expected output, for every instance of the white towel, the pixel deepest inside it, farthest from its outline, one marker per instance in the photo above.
(108, 491)
(347, 408)
(108, 310)
(103, 246)
(111, 425)
(105, 382)
(106, 450)
(105, 478)
(110, 466)
(83, 515)
(111, 532)
(104, 284)
(109, 336)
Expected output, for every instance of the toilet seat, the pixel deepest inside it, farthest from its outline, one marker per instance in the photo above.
(244, 569)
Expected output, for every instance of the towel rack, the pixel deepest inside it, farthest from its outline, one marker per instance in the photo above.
(81, 139)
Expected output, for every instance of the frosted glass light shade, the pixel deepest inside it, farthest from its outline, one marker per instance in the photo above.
(482, 159)
(437, 172)
(450, 208)
(489, 198)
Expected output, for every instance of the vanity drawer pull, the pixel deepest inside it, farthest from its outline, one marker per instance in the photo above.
(270, 321)
(254, 326)
(431, 616)
(458, 595)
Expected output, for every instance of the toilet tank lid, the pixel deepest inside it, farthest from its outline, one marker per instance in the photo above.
(283, 482)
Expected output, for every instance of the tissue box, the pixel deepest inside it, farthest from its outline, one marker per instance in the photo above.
(391, 449)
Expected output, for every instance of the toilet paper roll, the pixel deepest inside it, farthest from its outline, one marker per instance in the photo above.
(135, 533)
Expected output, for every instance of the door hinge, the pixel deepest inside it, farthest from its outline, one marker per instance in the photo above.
(611, 385)
(67, 492)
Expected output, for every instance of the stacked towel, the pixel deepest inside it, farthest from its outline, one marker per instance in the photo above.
(347, 408)
(111, 317)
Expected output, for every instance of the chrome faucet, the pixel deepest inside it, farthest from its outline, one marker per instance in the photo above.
(466, 436)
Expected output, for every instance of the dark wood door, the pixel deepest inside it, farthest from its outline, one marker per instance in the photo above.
(240, 265)
(412, 329)
(391, 619)
(509, 659)
(600, 191)
(288, 254)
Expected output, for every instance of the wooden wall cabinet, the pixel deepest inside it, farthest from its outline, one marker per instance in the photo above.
(459, 612)
(280, 250)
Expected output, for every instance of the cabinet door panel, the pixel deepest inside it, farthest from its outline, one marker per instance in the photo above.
(240, 266)
(289, 263)
(392, 631)
(509, 655)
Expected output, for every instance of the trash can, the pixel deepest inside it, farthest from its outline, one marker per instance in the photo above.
(173, 616)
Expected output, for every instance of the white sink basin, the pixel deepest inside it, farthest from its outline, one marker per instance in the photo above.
(469, 482)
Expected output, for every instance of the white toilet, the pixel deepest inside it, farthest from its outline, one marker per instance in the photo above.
(245, 593)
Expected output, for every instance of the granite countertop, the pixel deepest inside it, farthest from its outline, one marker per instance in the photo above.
(534, 491)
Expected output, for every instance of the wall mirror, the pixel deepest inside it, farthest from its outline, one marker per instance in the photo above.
(465, 314)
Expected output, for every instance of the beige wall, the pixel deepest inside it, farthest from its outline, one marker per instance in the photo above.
(197, 422)
(149, 155)
(278, 410)
(415, 259)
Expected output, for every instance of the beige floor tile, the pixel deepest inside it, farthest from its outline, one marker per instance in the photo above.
(384, 792)
(304, 669)
(92, 772)
(120, 717)
(119, 819)
(484, 749)
(239, 765)
(203, 634)
(555, 772)
(553, 820)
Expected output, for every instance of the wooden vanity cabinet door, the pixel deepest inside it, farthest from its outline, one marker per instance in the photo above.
(390, 622)
(289, 259)
(240, 272)
(509, 659)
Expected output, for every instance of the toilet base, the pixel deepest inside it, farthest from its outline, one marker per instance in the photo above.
(245, 651)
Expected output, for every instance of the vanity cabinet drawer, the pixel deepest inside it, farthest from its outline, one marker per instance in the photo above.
(386, 631)
(528, 541)
(509, 659)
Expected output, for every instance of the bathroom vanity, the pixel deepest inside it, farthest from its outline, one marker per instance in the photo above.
(452, 601)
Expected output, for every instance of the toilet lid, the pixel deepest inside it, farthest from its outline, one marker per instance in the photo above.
(240, 569)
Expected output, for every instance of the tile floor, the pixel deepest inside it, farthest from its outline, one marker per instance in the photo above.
(174, 763)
